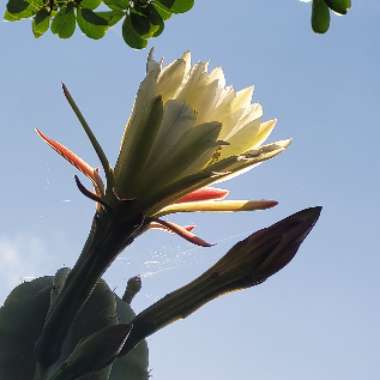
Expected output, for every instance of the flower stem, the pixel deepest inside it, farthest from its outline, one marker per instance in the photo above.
(109, 235)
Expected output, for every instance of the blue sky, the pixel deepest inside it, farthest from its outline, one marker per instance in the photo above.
(318, 318)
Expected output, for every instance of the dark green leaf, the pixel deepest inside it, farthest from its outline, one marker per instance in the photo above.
(41, 23)
(91, 29)
(339, 6)
(163, 11)
(320, 17)
(17, 6)
(166, 3)
(117, 4)
(131, 37)
(156, 19)
(177, 6)
(112, 17)
(32, 8)
(182, 6)
(141, 24)
(64, 22)
(93, 18)
(90, 4)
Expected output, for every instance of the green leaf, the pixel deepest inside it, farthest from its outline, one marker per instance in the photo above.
(92, 24)
(90, 4)
(182, 6)
(143, 25)
(117, 5)
(93, 18)
(21, 321)
(18, 11)
(64, 22)
(177, 6)
(339, 6)
(163, 11)
(156, 19)
(17, 6)
(112, 17)
(320, 16)
(131, 37)
(41, 22)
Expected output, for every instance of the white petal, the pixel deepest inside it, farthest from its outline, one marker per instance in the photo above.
(254, 158)
(217, 74)
(250, 136)
(243, 98)
(217, 206)
(194, 84)
(172, 77)
(146, 94)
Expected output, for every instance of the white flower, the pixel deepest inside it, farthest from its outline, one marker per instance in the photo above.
(187, 130)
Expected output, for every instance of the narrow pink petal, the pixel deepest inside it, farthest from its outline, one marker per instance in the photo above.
(204, 194)
(183, 232)
(158, 226)
(73, 159)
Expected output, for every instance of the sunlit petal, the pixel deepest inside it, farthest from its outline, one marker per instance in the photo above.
(75, 160)
(218, 206)
(159, 226)
(184, 233)
(204, 194)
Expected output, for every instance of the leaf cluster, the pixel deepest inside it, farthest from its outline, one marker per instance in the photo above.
(321, 13)
(141, 19)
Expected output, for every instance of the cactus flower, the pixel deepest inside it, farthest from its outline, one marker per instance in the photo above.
(187, 131)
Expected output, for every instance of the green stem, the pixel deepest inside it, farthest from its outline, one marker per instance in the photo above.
(110, 233)
(176, 305)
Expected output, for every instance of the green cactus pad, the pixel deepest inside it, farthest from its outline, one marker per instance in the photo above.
(21, 321)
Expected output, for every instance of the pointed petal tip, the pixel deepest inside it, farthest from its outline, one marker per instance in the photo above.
(44, 137)
(269, 203)
(203, 194)
(182, 232)
(285, 143)
(186, 56)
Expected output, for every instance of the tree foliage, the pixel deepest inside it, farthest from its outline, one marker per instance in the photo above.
(141, 19)
(321, 10)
